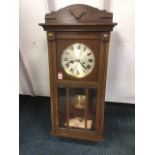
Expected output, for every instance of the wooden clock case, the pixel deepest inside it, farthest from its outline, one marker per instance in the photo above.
(88, 25)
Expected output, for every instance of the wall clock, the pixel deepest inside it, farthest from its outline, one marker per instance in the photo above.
(78, 60)
(78, 41)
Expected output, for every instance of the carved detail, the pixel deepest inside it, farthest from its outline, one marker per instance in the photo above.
(105, 37)
(51, 36)
(79, 17)
(77, 12)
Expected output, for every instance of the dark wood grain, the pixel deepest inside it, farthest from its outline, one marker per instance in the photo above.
(67, 106)
(86, 109)
(77, 84)
(79, 14)
(78, 18)
(90, 26)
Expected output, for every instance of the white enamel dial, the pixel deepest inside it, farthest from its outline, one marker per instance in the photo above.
(78, 60)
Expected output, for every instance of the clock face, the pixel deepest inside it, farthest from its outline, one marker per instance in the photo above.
(78, 60)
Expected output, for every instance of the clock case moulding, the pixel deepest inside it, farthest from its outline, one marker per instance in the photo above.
(79, 22)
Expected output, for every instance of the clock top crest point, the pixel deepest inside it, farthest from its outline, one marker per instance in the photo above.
(78, 16)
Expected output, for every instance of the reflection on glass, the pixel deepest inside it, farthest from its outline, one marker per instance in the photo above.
(77, 108)
(62, 106)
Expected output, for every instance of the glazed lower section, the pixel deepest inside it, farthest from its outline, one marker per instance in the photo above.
(77, 108)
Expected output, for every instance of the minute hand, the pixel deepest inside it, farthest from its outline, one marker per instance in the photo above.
(82, 65)
(78, 60)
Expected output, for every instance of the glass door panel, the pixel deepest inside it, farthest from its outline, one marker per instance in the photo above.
(62, 106)
(77, 108)
(82, 108)
(92, 101)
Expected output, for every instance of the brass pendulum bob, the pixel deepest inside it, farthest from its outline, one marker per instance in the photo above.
(80, 101)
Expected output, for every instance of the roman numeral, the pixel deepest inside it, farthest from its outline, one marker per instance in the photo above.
(88, 54)
(78, 72)
(90, 60)
(78, 47)
(88, 66)
(71, 70)
(84, 48)
(84, 71)
(66, 59)
(67, 65)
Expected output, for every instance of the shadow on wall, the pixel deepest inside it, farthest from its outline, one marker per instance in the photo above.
(113, 63)
(27, 79)
(107, 4)
(51, 5)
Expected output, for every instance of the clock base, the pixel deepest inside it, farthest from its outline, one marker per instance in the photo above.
(83, 137)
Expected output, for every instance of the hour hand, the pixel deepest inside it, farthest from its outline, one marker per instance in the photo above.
(67, 64)
(70, 62)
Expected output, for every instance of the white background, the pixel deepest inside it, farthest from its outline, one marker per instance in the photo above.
(145, 75)
(34, 78)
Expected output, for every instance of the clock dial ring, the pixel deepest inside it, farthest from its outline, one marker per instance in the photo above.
(78, 60)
